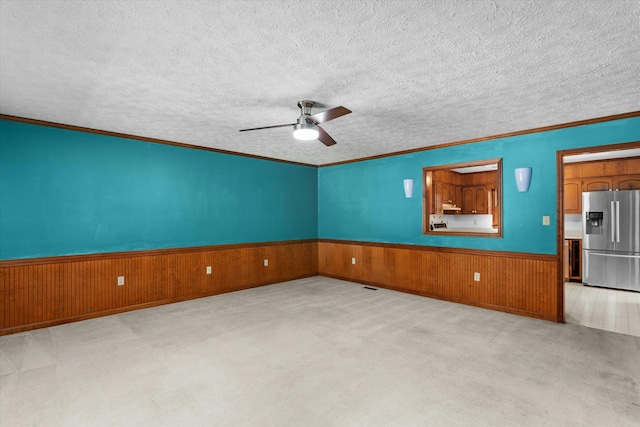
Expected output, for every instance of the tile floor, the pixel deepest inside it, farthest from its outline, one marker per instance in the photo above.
(602, 308)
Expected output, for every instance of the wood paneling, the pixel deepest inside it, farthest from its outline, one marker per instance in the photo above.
(44, 292)
(524, 284)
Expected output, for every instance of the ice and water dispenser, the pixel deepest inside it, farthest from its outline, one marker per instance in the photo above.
(594, 222)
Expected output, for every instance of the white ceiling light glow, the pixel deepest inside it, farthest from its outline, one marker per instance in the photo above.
(305, 131)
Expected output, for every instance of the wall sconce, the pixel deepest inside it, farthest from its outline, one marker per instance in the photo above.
(523, 179)
(408, 188)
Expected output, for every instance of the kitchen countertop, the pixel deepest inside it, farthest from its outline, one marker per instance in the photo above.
(468, 230)
(573, 234)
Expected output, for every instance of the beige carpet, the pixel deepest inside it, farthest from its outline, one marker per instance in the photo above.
(319, 352)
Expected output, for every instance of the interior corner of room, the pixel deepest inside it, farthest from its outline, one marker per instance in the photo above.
(319, 213)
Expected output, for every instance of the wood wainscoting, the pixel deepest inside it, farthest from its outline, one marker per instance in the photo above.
(42, 292)
(519, 283)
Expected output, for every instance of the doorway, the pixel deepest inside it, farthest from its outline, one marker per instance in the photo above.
(594, 307)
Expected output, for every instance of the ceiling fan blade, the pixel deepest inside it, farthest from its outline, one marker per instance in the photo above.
(333, 113)
(325, 138)
(268, 127)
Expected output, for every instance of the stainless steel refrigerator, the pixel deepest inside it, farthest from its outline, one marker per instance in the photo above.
(611, 239)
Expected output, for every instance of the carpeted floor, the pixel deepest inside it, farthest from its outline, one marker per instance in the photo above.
(319, 352)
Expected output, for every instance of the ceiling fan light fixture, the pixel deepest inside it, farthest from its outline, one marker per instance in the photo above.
(305, 131)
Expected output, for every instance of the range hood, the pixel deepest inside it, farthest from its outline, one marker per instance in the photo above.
(449, 207)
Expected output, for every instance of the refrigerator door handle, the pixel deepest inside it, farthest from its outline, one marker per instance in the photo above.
(613, 225)
(618, 221)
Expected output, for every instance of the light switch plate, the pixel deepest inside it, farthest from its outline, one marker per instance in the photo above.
(353, 260)
(266, 262)
(546, 220)
(120, 280)
(208, 269)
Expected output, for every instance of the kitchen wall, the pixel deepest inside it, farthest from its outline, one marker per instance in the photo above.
(573, 226)
(469, 221)
(364, 201)
(64, 192)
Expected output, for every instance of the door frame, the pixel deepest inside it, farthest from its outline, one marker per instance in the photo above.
(560, 154)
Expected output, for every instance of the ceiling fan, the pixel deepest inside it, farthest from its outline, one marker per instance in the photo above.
(306, 128)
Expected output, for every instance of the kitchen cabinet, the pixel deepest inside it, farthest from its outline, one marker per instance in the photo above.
(475, 200)
(573, 260)
(573, 196)
(574, 186)
(457, 195)
(602, 183)
(494, 207)
(482, 205)
(437, 196)
(626, 182)
(565, 264)
(445, 192)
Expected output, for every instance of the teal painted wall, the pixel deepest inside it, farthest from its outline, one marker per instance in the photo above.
(365, 201)
(65, 192)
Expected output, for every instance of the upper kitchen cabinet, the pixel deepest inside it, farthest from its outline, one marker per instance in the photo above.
(597, 184)
(627, 182)
(599, 175)
(474, 200)
(573, 196)
(447, 191)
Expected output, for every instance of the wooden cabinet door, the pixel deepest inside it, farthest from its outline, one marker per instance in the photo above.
(575, 260)
(567, 260)
(626, 182)
(572, 196)
(604, 183)
(475, 200)
(468, 200)
(437, 199)
(446, 193)
(494, 209)
(481, 200)
(457, 195)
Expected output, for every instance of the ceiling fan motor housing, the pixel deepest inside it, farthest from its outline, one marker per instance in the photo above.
(305, 106)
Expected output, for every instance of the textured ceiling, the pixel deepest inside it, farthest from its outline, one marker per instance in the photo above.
(414, 73)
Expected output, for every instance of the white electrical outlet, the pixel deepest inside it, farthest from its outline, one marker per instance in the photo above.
(208, 269)
(353, 260)
(546, 220)
(476, 277)
(120, 280)
(266, 262)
